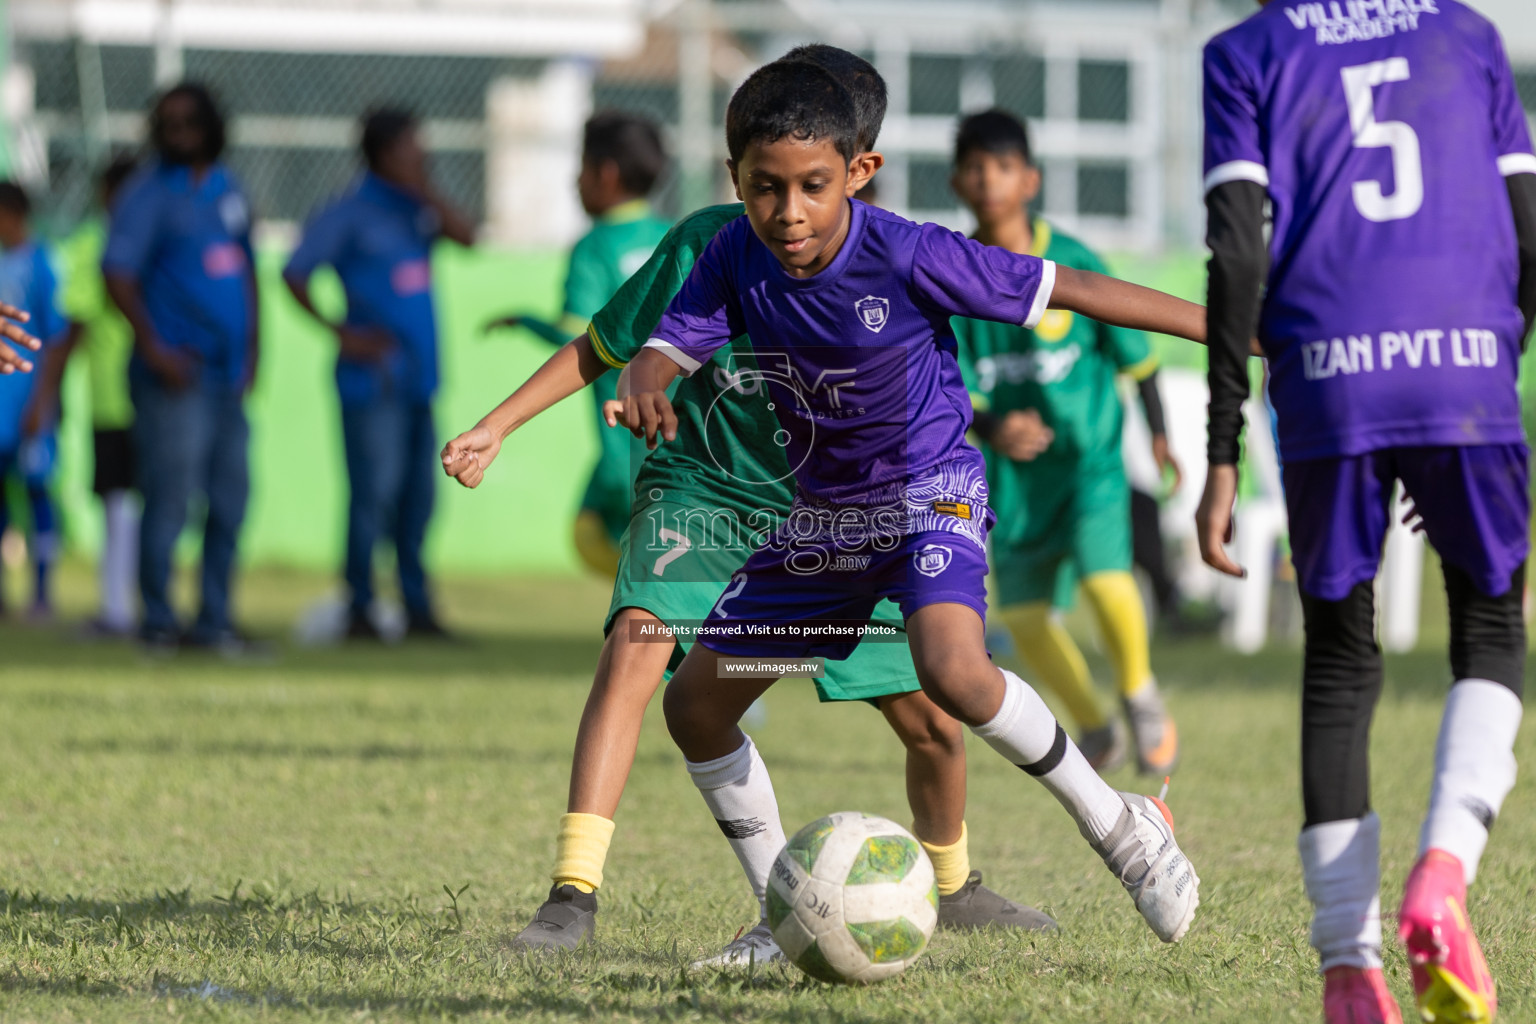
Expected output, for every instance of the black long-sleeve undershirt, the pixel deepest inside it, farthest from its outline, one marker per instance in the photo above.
(1522, 200)
(1239, 264)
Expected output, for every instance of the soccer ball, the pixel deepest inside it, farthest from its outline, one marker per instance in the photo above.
(852, 899)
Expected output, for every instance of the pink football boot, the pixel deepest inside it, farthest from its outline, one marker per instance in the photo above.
(1450, 976)
(1358, 995)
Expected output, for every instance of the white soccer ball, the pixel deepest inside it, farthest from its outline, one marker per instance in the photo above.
(852, 899)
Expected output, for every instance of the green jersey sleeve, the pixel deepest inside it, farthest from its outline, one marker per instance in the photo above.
(965, 355)
(622, 327)
(589, 281)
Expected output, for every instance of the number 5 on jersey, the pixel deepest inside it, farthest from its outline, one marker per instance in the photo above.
(1407, 168)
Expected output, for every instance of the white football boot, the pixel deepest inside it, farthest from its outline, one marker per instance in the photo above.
(755, 946)
(1142, 853)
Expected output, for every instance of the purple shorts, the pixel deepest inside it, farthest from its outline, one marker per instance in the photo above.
(800, 601)
(1475, 501)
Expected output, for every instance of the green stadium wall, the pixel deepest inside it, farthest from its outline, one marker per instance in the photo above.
(517, 520)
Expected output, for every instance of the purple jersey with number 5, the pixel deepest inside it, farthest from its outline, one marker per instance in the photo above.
(859, 359)
(1383, 130)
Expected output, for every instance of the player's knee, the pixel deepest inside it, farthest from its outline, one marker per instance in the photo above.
(694, 723)
(685, 723)
(1488, 638)
(959, 681)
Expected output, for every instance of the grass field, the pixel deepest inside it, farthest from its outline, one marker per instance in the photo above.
(351, 835)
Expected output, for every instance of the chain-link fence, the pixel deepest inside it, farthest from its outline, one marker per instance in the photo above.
(499, 126)
(1111, 93)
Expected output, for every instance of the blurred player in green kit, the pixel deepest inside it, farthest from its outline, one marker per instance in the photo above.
(103, 337)
(622, 158)
(1049, 419)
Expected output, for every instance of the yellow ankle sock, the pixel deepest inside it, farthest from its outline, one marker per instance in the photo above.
(1116, 603)
(951, 864)
(594, 547)
(581, 847)
(1049, 651)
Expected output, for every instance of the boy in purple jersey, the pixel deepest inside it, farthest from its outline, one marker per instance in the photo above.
(1401, 281)
(848, 310)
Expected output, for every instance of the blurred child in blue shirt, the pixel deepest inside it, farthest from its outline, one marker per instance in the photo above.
(29, 401)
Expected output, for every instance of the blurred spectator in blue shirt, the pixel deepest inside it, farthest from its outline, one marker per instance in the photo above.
(378, 237)
(178, 263)
(29, 402)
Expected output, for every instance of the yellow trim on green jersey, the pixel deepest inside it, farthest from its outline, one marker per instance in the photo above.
(1040, 232)
(1142, 370)
(626, 212)
(602, 350)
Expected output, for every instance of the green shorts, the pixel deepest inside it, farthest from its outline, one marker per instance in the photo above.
(1075, 524)
(674, 563)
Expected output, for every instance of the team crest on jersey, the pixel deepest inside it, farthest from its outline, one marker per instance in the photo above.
(874, 312)
(932, 559)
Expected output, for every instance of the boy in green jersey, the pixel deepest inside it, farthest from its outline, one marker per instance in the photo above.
(699, 505)
(101, 334)
(621, 159)
(1049, 419)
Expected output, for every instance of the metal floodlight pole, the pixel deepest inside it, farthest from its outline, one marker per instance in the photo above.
(7, 130)
(1183, 216)
(169, 68)
(695, 102)
(93, 99)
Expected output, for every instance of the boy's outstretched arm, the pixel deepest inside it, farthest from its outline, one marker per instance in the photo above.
(643, 405)
(573, 367)
(1122, 304)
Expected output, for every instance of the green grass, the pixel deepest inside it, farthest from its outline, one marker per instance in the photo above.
(351, 835)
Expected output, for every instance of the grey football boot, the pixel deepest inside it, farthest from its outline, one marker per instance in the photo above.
(1157, 738)
(1104, 748)
(566, 920)
(973, 906)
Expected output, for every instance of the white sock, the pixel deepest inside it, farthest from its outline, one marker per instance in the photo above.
(1340, 861)
(119, 559)
(1474, 770)
(1028, 735)
(739, 794)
